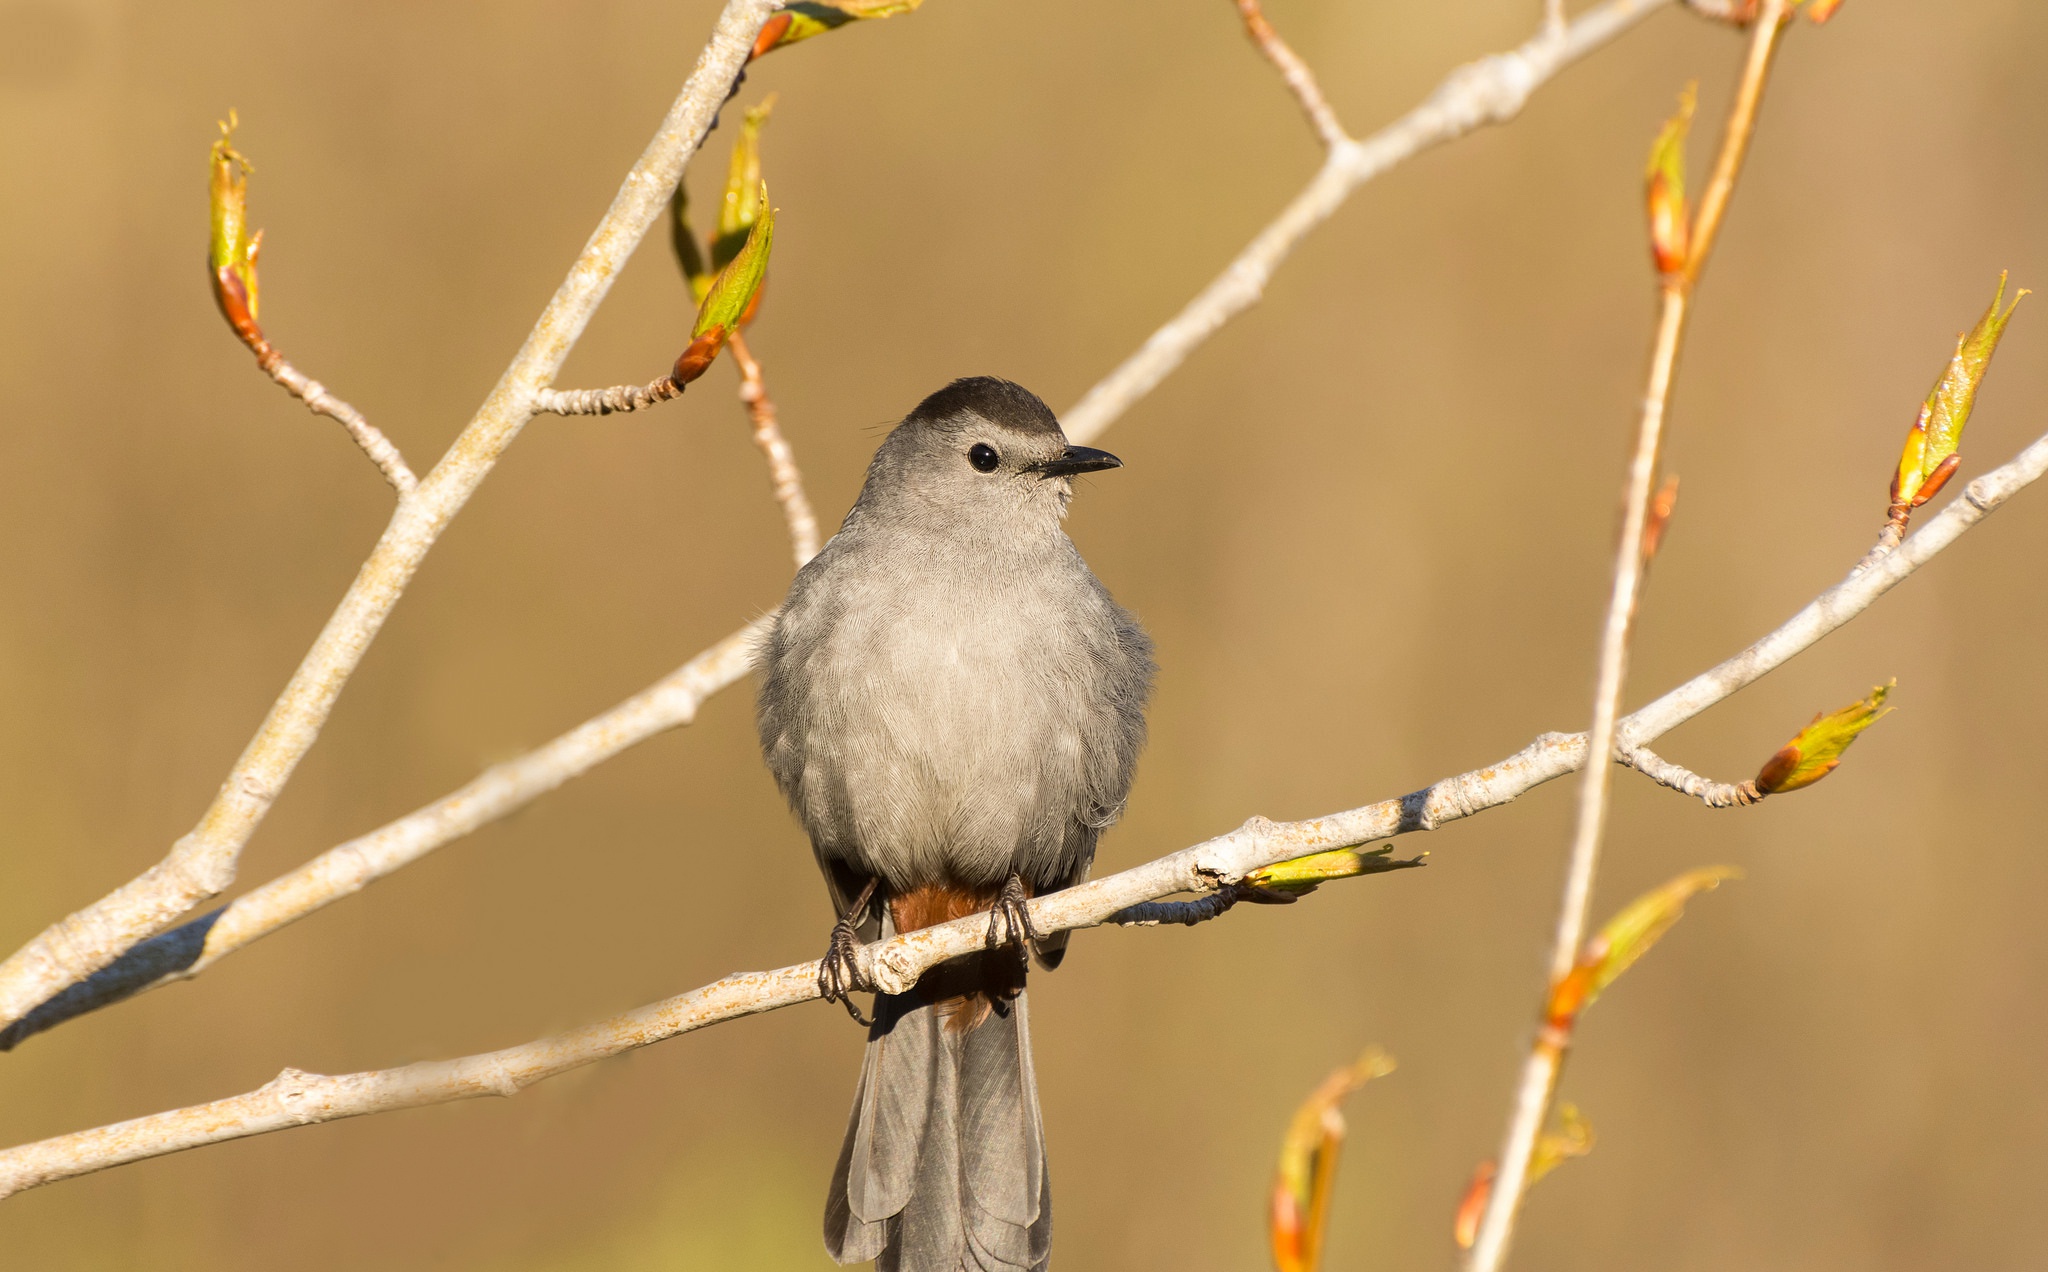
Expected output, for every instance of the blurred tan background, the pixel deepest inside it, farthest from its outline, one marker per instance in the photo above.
(1367, 525)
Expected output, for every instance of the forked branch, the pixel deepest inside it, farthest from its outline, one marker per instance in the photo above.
(1681, 250)
(1294, 73)
(203, 863)
(297, 1099)
(1492, 90)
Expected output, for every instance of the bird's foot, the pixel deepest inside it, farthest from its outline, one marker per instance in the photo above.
(1009, 920)
(839, 976)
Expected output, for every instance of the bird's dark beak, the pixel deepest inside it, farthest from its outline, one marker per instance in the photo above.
(1078, 459)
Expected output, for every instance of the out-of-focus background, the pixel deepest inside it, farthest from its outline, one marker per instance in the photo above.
(1368, 526)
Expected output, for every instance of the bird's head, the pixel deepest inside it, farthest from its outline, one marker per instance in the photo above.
(980, 450)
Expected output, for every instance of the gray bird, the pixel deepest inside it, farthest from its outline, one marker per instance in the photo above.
(952, 704)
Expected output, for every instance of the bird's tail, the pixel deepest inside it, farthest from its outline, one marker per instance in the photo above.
(944, 1163)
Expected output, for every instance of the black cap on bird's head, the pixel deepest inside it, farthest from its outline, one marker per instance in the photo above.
(1016, 411)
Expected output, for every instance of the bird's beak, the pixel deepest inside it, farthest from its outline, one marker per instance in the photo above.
(1078, 459)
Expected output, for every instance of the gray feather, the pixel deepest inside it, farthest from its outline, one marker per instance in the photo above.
(948, 698)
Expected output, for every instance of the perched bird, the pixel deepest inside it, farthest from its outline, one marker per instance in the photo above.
(953, 705)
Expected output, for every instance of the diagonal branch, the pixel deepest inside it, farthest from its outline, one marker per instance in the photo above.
(613, 401)
(1491, 90)
(782, 470)
(1294, 73)
(315, 395)
(1538, 1082)
(298, 1099)
(1686, 782)
(202, 864)
(346, 869)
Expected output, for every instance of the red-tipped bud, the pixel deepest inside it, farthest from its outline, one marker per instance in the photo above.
(232, 249)
(1818, 748)
(1931, 450)
(802, 19)
(1664, 193)
(729, 300)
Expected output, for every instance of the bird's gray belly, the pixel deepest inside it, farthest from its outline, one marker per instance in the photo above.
(945, 751)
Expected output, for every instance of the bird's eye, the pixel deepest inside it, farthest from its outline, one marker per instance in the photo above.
(983, 456)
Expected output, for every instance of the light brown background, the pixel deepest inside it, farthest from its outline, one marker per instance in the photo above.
(1367, 525)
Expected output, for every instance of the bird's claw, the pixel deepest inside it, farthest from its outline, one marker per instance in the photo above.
(1009, 919)
(839, 975)
(839, 971)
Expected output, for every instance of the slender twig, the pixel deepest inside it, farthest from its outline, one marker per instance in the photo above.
(1492, 90)
(1295, 73)
(1553, 16)
(1679, 778)
(612, 401)
(782, 470)
(202, 864)
(346, 869)
(1546, 1058)
(298, 1099)
(315, 395)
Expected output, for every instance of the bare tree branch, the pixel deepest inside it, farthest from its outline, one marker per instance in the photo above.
(298, 1099)
(346, 869)
(613, 401)
(1492, 90)
(1545, 1061)
(782, 469)
(1295, 73)
(314, 394)
(202, 864)
(1683, 780)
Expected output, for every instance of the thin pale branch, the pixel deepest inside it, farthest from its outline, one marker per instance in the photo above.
(1294, 73)
(1686, 782)
(315, 395)
(613, 401)
(297, 1099)
(1735, 136)
(346, 869)
(202, 864)
(1545, 1061)
(787, 479)
(1492, 90)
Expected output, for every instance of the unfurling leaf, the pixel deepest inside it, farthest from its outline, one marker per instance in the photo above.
(742, 201)
(1817, 749)
(689, 257)
(730, 298)
(1572, 1138)
(231, 252)
(1300, 1202)
(1821, 10)
(1664, 180)
(802, 19)
(1627, 937)
(1931, 454)
(1302, 875)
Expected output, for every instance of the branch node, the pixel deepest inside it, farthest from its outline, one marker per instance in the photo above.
(1295, 74)
(616, 400)
(1686, 782)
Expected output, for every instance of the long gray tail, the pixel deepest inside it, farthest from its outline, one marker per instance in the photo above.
(944, 1163)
